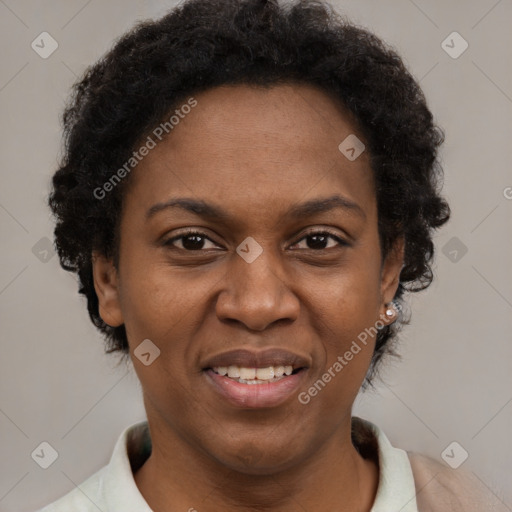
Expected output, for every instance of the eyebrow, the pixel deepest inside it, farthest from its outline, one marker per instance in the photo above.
(297, 211)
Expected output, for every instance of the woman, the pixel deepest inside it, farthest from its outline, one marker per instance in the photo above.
(248, 190)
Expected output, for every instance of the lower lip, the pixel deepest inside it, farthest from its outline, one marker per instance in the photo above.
(270, 394)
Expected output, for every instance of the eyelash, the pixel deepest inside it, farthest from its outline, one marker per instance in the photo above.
(169, 242)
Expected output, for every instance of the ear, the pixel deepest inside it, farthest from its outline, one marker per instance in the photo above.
(390, 273)
(106, 284)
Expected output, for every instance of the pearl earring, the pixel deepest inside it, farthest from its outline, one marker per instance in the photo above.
(390, 312)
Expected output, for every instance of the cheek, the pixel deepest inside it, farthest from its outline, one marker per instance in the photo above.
(348, 335)
(167, 393)
(345, 313)
(157, 301)
(348, 300)
(165, 306)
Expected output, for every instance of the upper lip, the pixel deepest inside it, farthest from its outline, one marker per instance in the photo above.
(262, 359)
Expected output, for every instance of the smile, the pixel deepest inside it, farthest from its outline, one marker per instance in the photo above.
(245, 375)
(255, 393)
(248, 379)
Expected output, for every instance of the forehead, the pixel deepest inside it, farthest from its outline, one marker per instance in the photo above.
(248, 146)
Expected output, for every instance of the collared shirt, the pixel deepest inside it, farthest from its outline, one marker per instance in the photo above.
(113, 487)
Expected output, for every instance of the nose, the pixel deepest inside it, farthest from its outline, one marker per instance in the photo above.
(257, 294)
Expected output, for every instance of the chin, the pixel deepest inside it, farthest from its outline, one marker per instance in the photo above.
(263, 458)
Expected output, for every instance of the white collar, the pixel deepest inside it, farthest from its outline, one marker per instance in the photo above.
(113, 487)
(396, 490)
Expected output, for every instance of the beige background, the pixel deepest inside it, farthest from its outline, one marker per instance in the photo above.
(454, 383)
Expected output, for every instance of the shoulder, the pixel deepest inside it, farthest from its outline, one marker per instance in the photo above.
(112, 487)
(433, 486)
(440, 488)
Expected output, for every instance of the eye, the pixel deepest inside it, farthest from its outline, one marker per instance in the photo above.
(319, 239)
(190, 241)
(196, 240)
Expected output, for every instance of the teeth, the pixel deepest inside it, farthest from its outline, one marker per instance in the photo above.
(265, 373)
(247, 373)
(254, 375)
(233, 371)
(279, 371)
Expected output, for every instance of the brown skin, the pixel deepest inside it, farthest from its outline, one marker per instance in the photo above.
(254, 152)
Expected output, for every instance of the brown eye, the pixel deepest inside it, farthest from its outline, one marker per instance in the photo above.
(319, 240)
(190, 241)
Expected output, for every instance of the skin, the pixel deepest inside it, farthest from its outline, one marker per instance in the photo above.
(255, 153)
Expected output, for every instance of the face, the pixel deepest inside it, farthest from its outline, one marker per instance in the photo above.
(285, 270)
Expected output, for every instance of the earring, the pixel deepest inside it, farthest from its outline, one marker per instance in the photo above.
(390, 312)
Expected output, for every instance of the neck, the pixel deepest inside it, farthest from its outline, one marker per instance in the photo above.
(335, 478)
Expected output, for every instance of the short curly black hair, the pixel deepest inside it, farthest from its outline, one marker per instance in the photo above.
(201, 44)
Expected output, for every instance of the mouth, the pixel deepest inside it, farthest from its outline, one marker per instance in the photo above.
(255, 380)
(245, 375)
